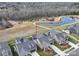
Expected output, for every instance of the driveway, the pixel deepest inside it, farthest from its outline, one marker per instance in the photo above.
(73, 45)
(58, 51)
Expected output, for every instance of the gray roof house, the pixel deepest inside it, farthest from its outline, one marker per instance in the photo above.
(74, 29)
(4, 23)
(59, 37)
(5, 49)
(25, 47)
(75, 52)
(42, 41)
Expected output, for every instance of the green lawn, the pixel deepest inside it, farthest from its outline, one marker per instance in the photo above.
(75, 35)
(70, 50)
(72, 40)
(12, 44)
(29, 37)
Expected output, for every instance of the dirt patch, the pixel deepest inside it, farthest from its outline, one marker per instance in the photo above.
(21, 29)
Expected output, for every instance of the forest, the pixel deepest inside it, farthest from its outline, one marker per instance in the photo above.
(31, 10)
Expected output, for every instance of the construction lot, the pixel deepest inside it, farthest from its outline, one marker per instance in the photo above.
(22, 29)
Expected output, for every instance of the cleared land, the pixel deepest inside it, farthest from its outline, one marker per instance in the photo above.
(19, 29)
(26, 28)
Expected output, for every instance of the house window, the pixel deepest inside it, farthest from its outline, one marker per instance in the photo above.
(51, 43)
(32, 50)
(28, 55)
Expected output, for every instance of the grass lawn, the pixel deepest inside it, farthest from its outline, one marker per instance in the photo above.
(72, 40)
(11, 43)
(62, 47)
(46, 53)
(70, 50)
(58, 28)
(30, 38)
(75, 35)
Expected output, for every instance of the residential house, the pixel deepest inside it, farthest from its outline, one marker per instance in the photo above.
(42, 41)
(74, 29)
(4, 23)
(25, 47)
(58, 37)
(75, 52)
(5, 49)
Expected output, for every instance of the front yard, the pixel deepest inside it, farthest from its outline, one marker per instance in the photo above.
(45, 53)
(75, 35)
(73, 40)
(62, 47)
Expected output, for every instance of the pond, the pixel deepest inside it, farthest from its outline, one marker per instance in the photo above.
(64, 21)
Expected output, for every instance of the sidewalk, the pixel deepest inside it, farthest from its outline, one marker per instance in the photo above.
(73, 45)
(35, 54)
(58, 51)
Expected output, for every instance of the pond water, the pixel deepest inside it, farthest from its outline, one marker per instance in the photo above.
(64, 20)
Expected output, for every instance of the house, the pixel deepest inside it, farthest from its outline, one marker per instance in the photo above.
(75, 52)
(58, 37)
(25, 47)
(5, 49)
(4, 23)
(74, 29)
(50, 19)
(42, 41)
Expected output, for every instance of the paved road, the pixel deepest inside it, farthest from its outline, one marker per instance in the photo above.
(77, 20)
(69, 24)
(42, 26)
(73, 45)
(35, 54)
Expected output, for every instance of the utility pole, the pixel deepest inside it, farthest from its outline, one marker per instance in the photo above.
(36, 26)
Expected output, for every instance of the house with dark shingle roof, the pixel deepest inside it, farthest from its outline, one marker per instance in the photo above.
(74, 29)
(4, 23)
(5, 49)
(58, 37)
(25, 47)
(42, 41)
(75, 52)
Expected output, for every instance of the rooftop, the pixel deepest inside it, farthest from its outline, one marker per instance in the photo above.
(74, 52)
(25, 47)
(5, 49)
